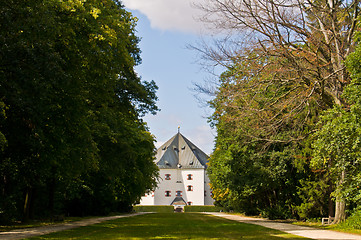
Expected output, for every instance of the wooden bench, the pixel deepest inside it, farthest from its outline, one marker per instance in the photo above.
(327, 220)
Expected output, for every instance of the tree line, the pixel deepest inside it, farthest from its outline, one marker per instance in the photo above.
(287, 107)
(72, 139)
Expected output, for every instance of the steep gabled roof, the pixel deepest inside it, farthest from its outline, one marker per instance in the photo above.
(178, 201)
(179, 152)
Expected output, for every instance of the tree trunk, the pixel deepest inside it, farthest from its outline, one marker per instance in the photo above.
(340, 214)
(331, 207)
(331, 204)
(27, 203)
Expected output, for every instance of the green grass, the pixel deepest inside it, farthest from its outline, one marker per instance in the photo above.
(155, 208)
(337, 227)
(194, 208)
(171, 226)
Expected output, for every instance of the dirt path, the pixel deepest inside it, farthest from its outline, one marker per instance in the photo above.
(308, 232)
(32, 232)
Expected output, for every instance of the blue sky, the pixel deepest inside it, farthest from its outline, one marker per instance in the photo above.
(166, 27)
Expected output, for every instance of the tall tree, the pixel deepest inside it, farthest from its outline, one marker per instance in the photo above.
(255, 161)
(310, 39)
(306, 42)
(67, 69)
(337, 144)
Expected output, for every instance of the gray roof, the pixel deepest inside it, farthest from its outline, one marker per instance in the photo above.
(178, 201)
(179, 152)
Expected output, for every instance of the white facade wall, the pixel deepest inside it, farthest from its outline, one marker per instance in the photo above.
(208, 200)
(196, 195)
(200, 193)
(164, 185)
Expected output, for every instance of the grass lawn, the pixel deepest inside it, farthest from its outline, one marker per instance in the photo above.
(171, 226)
(337, 227)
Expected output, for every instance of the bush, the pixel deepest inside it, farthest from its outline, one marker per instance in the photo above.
(276, 212)
(202, 209)
(353, 222)
(156, 208)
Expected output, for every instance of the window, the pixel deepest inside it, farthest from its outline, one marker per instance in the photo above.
(189, 188)
(190, 177)
(167, 193)
(189, 203)
(205, 193)
(179, 193)
(167, 177)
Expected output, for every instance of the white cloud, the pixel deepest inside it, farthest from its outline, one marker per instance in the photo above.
(169, 14)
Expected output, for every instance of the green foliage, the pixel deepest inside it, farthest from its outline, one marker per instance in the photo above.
(337, 142)
(257, 163)
(314, 195)
(154, 209)
(202, 209)
(353, 222)
(73, 107)
(336, 146)
(276, 212)
(279, 153)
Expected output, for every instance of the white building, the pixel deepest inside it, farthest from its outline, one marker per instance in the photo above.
(183, 178)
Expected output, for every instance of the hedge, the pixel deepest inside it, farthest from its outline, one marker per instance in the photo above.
(202, 209)
(155, 208)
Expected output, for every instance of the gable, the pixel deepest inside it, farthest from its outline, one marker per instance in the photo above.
(179, 152)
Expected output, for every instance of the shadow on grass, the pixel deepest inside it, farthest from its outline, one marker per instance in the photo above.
(171, 226)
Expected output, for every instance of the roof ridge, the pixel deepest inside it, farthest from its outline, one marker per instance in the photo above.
(180, 152)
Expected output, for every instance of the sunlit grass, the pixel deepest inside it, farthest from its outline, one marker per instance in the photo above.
(336, 227)
(171, 226)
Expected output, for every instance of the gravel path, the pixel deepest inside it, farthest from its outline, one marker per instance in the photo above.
(32, 232)
(308, 232)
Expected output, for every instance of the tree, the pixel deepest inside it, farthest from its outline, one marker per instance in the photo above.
(66, 70)
(304, 42)
(308, 39)
(337, 142)
(255, 164)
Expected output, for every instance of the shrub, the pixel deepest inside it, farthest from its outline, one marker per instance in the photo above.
(202, 209)
(353, 222)
(276, 212)
(156, 208)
